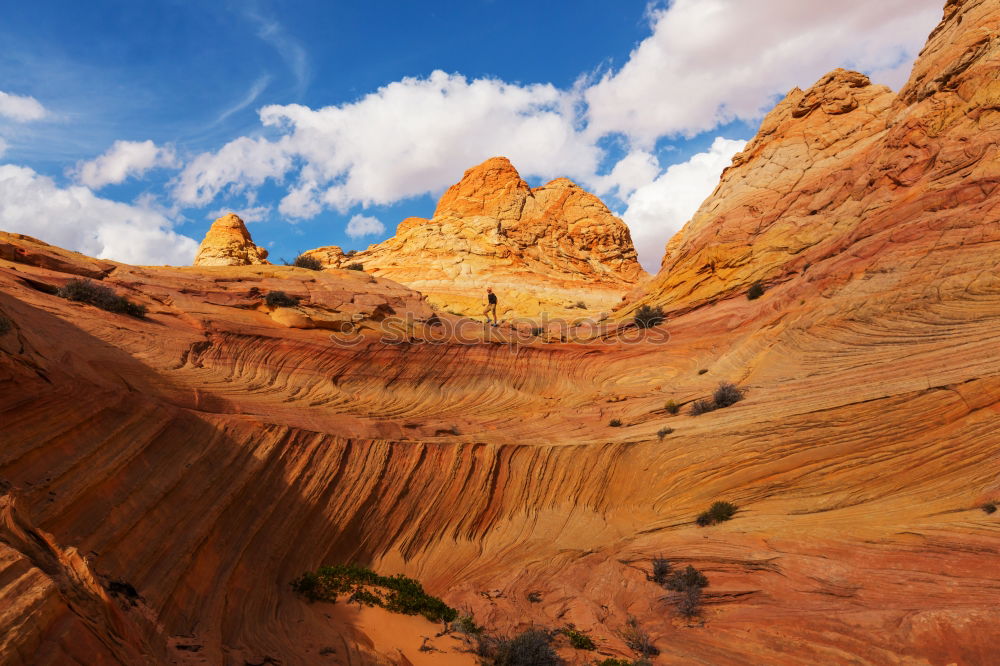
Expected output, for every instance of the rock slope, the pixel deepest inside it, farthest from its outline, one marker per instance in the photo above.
(542, 249)
(164, 479)
(840, 173)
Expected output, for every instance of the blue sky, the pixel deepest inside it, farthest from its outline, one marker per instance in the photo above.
(126, 127)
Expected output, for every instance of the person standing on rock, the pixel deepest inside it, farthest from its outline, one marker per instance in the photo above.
(491, 306)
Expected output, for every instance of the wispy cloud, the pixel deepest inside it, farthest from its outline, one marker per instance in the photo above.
(291, 51)
(255, 90)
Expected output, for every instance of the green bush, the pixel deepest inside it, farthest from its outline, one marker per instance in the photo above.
(755, 291)
(398, 593)
(719, 512)
(85, 291)
(310, 263)
(647, 316)
(279, 299)
(356, 267)
(615, 423)
(466, 625)
(578, 639)
(672, 407)
(664, 431)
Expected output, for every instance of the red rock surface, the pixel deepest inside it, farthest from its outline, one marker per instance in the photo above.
(543, 250)
(209, 454)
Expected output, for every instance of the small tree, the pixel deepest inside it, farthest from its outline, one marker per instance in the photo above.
(661, 570)
(308, 262)
(356, 267)
(647, 316)
(719, 512)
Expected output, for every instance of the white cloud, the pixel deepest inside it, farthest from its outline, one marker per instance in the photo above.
(657, 210)
(712, 61)
(75, 218)
(241, 163)
(408, 138)
(20, 108)
(122, 160)
(364, 225)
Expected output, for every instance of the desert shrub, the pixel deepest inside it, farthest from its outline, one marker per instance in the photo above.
(537, 331)
(279, 299)
(614, 661)
(305, 261)
(5, 325)
(685, 579)
(398, 593)
(466, 625)
(615, 423)
(701, 407)
(755, 291)
(664, 431)
(672, 407)
(355, 267)
(581, 305)
(689, 604)
(580, 640)
(703, 371)
(727, 394)
(990, 507)
(719, 512)
(85, 291)
(661, 569)
(530, 648)
(647, 316)
(638, 639)
(535, 597)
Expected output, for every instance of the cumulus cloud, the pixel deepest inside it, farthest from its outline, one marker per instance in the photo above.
(122, 160)
(20, 108)
(657, 210)
(75, 218)
(364, 225)
(406, 139)
(709, 62)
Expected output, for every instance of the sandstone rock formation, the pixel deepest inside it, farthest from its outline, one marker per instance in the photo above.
(838, 173)
(228, 243)
(163, 480)
(542, 250)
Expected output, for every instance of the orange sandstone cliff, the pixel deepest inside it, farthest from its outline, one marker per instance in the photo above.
(546, 249)
(165, 478)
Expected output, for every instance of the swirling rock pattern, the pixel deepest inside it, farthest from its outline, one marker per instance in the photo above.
(164, 479)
